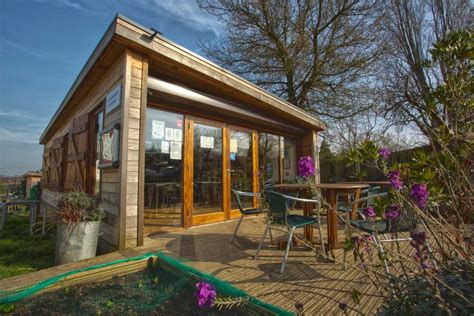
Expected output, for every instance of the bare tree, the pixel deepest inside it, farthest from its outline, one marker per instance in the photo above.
(410, 29)
(319, 55)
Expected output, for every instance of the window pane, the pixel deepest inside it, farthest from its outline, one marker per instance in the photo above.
(241, 177)
(98, 172)
(207, 186)
(163, 168)
(289, 160)
(268, 157)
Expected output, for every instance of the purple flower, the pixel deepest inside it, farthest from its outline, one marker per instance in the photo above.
(205, 294)
(419, 193)
(419, 238)
(395, 180)
(306, 167)
(393, 212)
(384, 153)
(370, 212)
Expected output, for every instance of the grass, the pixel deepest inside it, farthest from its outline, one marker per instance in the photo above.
(21, 253)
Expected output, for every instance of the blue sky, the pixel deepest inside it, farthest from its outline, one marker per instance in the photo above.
(45, 43)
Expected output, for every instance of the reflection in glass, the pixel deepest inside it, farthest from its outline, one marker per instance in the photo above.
(241, 165)
(289, 159)
(98, 172)
(163, 168)
(207, 185)
(268, 157)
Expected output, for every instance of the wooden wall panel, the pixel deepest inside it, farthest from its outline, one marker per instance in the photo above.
(134, 102)
(110, 197)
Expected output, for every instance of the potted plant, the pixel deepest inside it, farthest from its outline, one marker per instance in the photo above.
(77, 228)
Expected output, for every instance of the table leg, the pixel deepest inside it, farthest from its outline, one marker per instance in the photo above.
(332, 220)
(309, 230)
(355, 206)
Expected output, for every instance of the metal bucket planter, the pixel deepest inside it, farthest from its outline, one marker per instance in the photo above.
(76, 242)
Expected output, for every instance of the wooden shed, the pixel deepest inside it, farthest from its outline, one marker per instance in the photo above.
(160, 135)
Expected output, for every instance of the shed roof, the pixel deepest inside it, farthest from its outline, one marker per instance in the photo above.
(130, 33)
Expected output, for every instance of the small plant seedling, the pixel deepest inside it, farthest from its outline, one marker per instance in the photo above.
(155, 280)
(98, 312)
(109, 304)
(66, 290)
(140, 284)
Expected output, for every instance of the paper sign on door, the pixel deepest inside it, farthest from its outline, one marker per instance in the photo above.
(157, 129)
(175, 151)
(207, 142)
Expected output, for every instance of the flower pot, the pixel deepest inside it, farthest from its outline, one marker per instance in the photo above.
(76, 242)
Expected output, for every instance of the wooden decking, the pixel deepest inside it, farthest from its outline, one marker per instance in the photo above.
(318, 284)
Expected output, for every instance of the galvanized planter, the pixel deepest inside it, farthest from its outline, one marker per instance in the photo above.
(76, 242)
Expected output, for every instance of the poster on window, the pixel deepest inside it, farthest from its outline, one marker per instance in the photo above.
(207, 142)
(157, 129)
(175, 151)
(177, 135)
(233, 145)
(169, 133)
(165, 147)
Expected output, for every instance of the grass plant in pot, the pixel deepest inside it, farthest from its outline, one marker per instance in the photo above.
(78, 227)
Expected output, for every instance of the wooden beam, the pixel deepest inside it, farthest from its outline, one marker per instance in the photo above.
(141, 159)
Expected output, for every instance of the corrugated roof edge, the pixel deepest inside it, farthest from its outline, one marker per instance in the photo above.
(79, 78)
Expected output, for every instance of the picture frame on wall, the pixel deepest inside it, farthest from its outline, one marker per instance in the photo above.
(110, 147)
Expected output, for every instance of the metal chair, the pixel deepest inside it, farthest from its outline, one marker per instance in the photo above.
(244, 211)
(279, 205)
(380, 229)
(361, 203)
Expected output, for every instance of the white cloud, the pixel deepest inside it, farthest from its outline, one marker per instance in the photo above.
(21, 48)
(15, 136)
(189, 13)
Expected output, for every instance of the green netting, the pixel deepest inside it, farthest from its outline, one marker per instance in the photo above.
(175, 278)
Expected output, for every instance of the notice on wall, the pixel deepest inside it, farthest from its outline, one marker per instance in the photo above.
(207, 142)
(177, 135)
(157, 129)
(175, 151)
(107, 152)
(169, 133)
(233, 145)
(165, 147)
(113, 99)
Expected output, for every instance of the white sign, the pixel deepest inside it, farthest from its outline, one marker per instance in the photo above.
(169, 133)
(177, 135)
(113, 99)
(175, 152)
(233, 146)
(157, 129)
(165, 147)
(207, 142)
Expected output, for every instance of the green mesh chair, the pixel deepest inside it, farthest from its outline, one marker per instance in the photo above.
(278, 207)
(244, 211)
(384, 230)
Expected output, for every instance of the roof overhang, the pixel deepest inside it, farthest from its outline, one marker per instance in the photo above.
(140, 38)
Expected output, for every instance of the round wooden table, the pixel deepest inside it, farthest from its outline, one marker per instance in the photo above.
(329, 191)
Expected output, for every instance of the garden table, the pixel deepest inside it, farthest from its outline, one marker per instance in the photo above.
(329, 191)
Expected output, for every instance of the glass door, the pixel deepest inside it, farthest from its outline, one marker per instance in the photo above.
(163, 170)
(208, 175)
(241, 165)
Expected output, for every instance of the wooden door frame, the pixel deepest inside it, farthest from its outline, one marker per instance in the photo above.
(188, 180)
